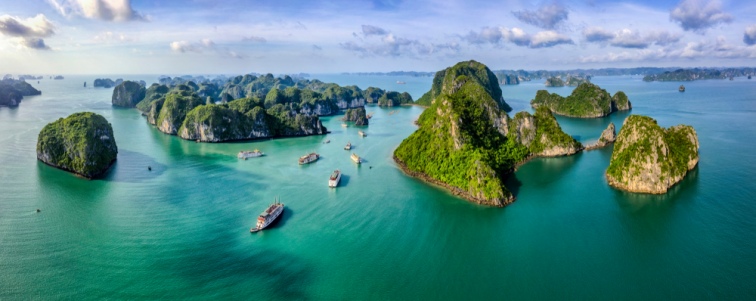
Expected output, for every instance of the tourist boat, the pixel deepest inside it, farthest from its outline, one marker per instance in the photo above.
(268, 216)
(333, 181)
(344, 125)
(309, 158)
(348, 146)
(400, 82)
(247, 154)
(682, 88)
(362, 134)
(327, 141)
(356, 158)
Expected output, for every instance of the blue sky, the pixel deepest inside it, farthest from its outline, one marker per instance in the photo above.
(232, 37)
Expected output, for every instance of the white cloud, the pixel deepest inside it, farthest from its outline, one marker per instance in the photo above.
(106, 10)
(691, 51)
(112, 37)
(548, 38)
(547, 16)
(517, 36)
(204, 46)
(28, 32)
(627, 38)
(382, 43)
(699, 15)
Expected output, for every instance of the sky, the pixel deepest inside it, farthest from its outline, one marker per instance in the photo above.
(279, 36)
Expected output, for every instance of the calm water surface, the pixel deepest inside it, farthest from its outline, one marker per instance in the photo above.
(180, 231)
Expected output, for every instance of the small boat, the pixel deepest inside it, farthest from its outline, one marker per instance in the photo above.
(749, 76)
(268, 216)
(309, 158)
(356, 158)
(333, 181)
(327, 141)
(400, 82)
(344, 125)
(362, 134)
(681, 89)
(249, 154)
(348, 146)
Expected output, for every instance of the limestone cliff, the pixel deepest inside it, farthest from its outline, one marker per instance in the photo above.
(128, 94)
(357, 115)
(542, 135)
(650, 159)
(82, 143)
(609, 135)
(586, 101)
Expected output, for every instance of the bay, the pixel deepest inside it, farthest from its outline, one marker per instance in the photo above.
(181, 230)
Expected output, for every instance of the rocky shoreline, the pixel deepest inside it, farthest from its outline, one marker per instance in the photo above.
(453, 189)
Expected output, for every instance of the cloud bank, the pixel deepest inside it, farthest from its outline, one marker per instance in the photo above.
(547, 16)
(29, 31)
(627, 38)
(517, 36)
(105, 10)
(699, 15)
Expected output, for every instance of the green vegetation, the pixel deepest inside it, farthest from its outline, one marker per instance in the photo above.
(586, 101)
(680, 75)
(649, 158)
(81, 143)
(392, 99)
(128, 94)
(549, 134)
(473, 71)
(554, 82)
(357, 115)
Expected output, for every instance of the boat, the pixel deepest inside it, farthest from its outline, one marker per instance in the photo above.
(333, 181)
(249, 154)
(400, 82)
(682, 88)
(356, 158)
(348, 146)
(327, 141)
(749, 76)
(268, 216)
(361, 133)
(309, 158)
(344, 125)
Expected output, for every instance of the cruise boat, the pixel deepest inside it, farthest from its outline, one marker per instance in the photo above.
(344, 125)
(333, 181)
(356, 158)
(247, 154)
(361, 133)
(309, 158)
(348, 146)
(268, 216)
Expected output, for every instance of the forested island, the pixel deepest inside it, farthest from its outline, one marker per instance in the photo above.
(586, 101)
(698, 74)
(248, 107)
(467, 143)
(650, 159)
(82, 143)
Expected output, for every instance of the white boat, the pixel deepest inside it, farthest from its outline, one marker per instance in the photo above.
(361, 133)
(309, 158)
(344, 125)
(327, 141)
(356, 158)
(348, 146)
(333, 181)
(268, 216)
(249, 154)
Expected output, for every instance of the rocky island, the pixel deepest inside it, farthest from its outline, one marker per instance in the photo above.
(586, 101)
(128, 94)
(12, 91)
(82, 143)
(357, 115)
(650, 159)
(468, 144)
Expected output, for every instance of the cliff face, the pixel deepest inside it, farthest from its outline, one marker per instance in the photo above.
(459, 144)
(174, 110)
(648, 158)
(586, 101)
(128, 94)
(392, 99)
(12, 91)
(542, 135)
(217, 123)
(608, 136)
(357, 115)
(82, 143)
(104, 83)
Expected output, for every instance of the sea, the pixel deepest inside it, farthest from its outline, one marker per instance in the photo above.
(181, 230)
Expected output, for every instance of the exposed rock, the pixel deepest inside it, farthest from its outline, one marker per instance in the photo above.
(650, 159)
(542, 135)
(609, 135)
(82, 143)
(357, 115)
(174, 110)
(104, 83)
(12, 91)
(392, 99)
(58, 77)
(128, 94)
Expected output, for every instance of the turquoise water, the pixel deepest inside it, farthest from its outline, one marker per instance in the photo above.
(181, 230)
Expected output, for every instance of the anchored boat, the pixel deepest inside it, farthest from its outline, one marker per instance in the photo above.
(268, 216)
(247, 154)
(348, 146)
(362, 134)
(681, 89)
(356, 158)
(333, 181)
(309, 158)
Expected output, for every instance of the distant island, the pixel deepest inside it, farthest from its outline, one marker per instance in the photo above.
(571, 81)
(58, 77)
(82, 143)
(586, 101)
(468, 144)
(650, 159)
(248, 107)
(698, 74)
(12, 91)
